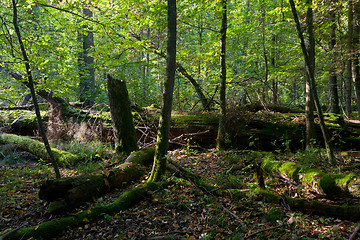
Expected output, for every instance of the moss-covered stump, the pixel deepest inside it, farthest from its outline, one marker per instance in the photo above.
(68, 193)
(52, 228)
(37, 148)
(335, 185)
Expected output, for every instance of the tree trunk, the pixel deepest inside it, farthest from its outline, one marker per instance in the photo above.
(159, 166)
(33, 94)
(86, 62)
(121, 117)
(356, 55)
(333, 85)
(348, 84)
(328, 145)
(221, 138)
(309, 101)
(69, 193)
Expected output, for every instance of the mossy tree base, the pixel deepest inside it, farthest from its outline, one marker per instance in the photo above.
(68, 193)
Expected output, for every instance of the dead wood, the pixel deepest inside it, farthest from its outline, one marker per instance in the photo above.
(71, 192)
(332, 185)
(49, 229)
(37, 148)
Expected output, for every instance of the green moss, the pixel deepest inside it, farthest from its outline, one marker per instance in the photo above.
(343, 180)
(193, 118)
(37, 148)
(291, 170)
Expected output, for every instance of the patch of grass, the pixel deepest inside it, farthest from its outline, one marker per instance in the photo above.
(90, 150)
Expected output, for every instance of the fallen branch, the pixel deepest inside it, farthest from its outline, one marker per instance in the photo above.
(266, 229)
(27, 107)
(355, 234)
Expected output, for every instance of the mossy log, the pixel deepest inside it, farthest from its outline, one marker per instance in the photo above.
(245, 130)
(345, 211)
(47, 230)
(37, 148)
(71, 192)
(333, 185)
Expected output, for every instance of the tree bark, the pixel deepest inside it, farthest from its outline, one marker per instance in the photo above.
(356, 55)
(33, 94)
(333, 84)
(221, 138)
(309, 101)
(159, 166)
(86, 62)
(348, 83)
(121, 117)
(328, 145)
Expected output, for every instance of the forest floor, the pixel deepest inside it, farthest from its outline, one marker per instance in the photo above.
(180, 210)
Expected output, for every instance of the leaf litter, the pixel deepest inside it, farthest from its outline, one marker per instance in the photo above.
(180, 210)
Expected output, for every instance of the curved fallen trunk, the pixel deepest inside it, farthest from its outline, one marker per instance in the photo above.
(68, 193)
(37, 148)
(49, 229)
(336, 185)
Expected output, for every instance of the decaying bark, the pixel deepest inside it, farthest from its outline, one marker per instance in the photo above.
(37, 148)
(123, 126)
(68, 193)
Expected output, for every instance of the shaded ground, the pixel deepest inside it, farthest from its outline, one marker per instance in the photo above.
(179, 210)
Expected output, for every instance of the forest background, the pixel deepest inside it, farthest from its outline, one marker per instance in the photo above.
(74, 46)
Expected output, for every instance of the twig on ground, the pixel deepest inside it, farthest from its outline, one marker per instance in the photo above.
(354, 235)
(290, 221)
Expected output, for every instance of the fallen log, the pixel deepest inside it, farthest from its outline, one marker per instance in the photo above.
(49, 229)
(37, 148)
(69, 193)
(332, 185)
(344, 211)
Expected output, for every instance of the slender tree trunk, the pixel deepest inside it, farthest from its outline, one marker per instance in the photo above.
(121, 117)
(328, 145)
(32, 90)
(274, 84)
(220, 143)
(356, 55)
(333, 85)
(309, 101)
(86, 62)
(348, 84)
(161, 149)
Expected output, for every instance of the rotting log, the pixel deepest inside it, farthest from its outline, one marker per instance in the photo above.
(344, 211)
(37, 148)
(333, 185)
(68, 193)
(49, 229)
(351, 212)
